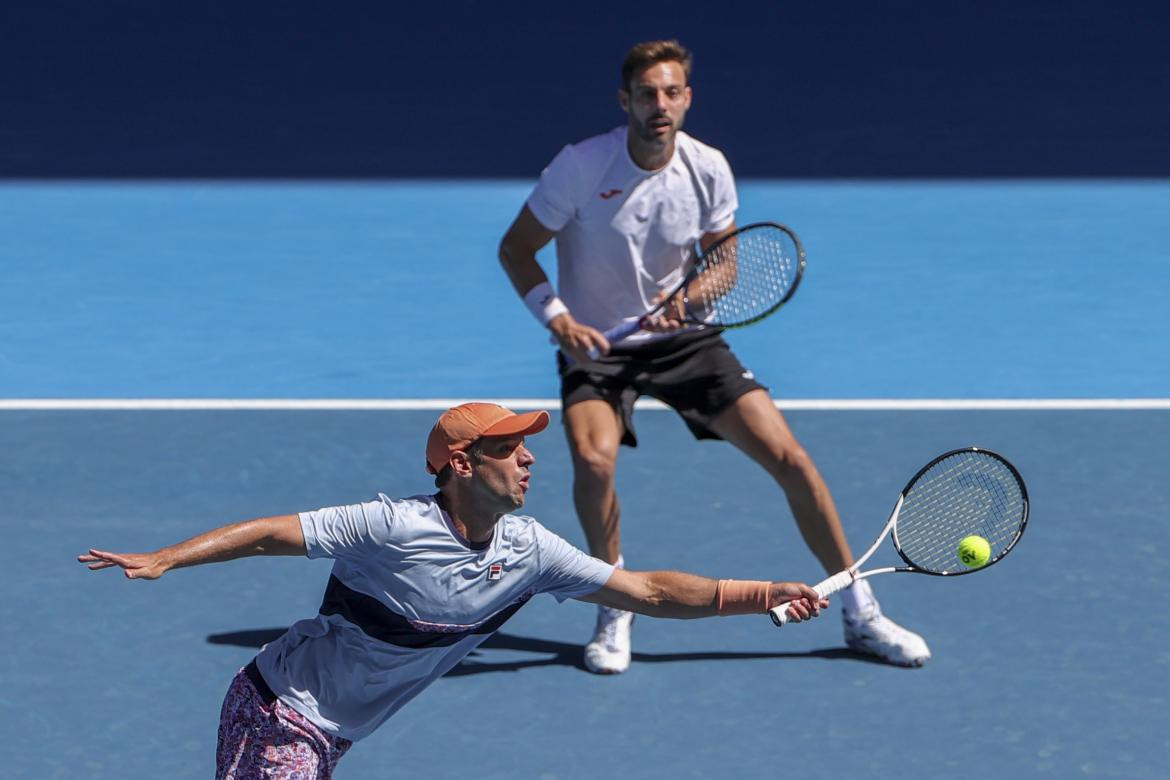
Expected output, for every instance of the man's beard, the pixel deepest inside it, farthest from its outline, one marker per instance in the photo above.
(647, 131)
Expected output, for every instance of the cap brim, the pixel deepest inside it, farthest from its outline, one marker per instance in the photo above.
(519, 424)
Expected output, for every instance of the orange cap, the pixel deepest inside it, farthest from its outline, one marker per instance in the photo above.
(461, 425)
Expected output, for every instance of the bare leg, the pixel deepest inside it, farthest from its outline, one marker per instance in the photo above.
(755, 426)
(594, 430)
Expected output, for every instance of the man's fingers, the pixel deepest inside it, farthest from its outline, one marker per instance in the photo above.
(599, 342)
(98, 559)
(805, 604)
(135, 566)
(589, 344)
(120, 560)
(660, 324)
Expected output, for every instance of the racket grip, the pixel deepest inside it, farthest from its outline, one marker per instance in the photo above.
(617, 333)
(838, 582)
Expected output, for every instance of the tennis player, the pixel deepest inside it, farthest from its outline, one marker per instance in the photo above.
(417, 584)
(626, 209)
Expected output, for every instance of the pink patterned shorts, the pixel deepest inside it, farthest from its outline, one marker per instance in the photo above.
(262, 737)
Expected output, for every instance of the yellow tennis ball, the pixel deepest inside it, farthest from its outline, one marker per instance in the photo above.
(974, 551)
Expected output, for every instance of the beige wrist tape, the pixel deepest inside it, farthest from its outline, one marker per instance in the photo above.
(742, 597)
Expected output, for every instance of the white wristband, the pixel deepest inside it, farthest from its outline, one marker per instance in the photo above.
(544, 304)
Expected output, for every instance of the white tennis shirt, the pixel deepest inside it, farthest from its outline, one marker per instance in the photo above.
(624, 234)
(408, 598)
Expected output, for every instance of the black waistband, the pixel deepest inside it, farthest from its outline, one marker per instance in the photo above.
(673, 347)
(257, 679)
(668, 345)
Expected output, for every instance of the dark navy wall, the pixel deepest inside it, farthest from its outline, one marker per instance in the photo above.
(471, 89)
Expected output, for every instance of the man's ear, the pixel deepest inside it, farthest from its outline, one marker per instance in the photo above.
(624, 100)
(461, 463)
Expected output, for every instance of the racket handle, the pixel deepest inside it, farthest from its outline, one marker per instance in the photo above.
(838, 582)
(617, 333)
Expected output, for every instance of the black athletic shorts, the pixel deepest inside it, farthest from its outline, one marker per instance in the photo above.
(694, 373)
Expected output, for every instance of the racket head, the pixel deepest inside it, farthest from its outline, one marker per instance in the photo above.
(969, 491)
(744, 276)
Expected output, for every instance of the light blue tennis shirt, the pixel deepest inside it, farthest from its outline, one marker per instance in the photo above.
(408, 598)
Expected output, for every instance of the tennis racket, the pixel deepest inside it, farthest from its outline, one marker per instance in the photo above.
(960, 493)
(739, 280)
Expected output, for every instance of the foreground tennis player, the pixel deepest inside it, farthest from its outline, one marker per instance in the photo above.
(417, 584)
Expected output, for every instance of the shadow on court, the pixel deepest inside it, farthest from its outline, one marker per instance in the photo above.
(555, 653)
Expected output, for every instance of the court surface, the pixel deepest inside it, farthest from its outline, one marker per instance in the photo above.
(1050, 665)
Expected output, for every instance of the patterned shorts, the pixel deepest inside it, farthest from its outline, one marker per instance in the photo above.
(262, 737)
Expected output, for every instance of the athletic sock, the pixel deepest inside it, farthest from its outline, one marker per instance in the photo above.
(858, 601)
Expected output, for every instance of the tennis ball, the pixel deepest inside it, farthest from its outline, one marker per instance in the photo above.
(974, 551)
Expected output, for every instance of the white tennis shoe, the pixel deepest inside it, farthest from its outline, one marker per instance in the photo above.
(877, 635)
(609, 650)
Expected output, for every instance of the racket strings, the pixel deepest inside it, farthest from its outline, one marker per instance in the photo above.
(745, 277)
(970, 492)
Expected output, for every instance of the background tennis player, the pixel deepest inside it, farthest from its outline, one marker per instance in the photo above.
(626, 209)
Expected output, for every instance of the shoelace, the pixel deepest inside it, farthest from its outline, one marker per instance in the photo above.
(884, 630)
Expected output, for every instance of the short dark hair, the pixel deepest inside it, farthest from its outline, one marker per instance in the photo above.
(648, 53)
(475, 450)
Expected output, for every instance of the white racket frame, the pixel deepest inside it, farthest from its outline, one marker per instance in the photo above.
(843, 579)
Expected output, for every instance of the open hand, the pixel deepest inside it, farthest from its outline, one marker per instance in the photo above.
(136, 566)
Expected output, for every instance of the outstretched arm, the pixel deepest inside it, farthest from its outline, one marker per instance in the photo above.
(673, 594)
(280, 535)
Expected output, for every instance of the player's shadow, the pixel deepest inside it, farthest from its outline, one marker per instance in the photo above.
(572, 654)
(558, 653)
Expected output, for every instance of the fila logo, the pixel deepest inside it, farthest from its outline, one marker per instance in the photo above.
(610, 194)
(495, 571)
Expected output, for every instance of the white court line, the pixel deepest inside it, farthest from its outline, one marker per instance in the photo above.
(422, 404)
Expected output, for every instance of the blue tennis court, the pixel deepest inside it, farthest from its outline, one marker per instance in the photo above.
(1051, 665)
(1016, 289)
